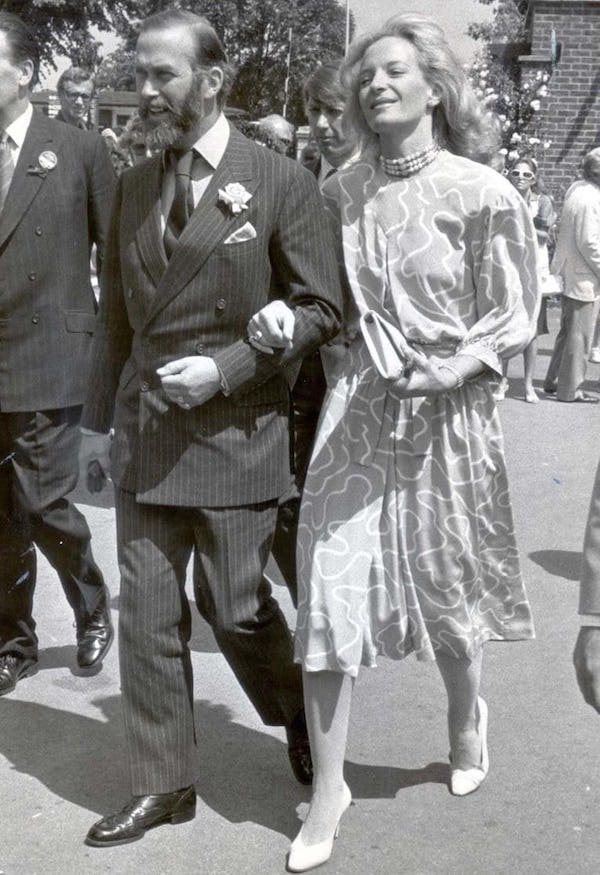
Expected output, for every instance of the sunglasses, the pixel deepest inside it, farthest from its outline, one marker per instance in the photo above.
(522, 174)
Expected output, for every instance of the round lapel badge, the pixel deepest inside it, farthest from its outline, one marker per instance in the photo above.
(48, 160)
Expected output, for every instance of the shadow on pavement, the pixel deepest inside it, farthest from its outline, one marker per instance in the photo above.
(560, 563)
(384, 782)
(243, 774)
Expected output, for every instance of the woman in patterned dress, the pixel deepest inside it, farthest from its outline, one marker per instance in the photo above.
(406, 540)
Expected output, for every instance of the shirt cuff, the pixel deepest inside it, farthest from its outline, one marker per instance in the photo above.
(590, 620)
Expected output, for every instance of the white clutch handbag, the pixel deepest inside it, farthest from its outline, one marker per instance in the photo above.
(386, 344)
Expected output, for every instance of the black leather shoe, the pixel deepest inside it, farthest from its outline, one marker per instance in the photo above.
(95, 634)
(299, 749)
(12, 668)
(142, 813)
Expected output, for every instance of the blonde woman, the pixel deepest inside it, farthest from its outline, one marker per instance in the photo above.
(406, 541)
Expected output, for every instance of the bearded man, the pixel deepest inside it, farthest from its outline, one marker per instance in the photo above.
(203, 235)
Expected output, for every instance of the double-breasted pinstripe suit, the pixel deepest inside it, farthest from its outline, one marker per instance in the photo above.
(206, 480)
(58, 204)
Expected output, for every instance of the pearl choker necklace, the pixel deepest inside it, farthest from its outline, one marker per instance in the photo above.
(410, 165)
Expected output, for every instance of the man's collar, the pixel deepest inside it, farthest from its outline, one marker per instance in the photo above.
(213, 143)
(17, 130)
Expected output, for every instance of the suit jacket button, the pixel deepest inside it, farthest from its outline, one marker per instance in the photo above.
(32, 276)
(144, 386)
(199, 348)
(221, 304)
(38, 231)
(130, 294)
(35, 319)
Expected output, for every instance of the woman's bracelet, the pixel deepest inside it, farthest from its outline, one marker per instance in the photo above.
(458, 376)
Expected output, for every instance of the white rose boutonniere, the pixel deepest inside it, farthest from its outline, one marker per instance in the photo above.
(235, 197)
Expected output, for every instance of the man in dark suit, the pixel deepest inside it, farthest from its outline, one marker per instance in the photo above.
(203, 235)
(56, 187)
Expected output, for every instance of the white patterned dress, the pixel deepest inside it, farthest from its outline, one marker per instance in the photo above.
(406, 539)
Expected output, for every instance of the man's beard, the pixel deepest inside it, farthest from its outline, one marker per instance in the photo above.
(169, 131)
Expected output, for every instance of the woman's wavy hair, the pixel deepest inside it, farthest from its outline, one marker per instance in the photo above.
(460, 123)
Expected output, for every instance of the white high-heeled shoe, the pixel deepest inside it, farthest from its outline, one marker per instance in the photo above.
(304, 857)
(465, 781)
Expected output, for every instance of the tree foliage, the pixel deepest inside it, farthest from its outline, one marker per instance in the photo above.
(496, 76)
(63, 27)
(256, 35)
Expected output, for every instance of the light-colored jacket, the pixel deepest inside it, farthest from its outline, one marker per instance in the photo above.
(577, 255)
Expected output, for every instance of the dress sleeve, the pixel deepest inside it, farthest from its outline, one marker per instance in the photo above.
(507, 286)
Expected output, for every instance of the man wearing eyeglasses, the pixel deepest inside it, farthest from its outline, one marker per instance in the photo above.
(75, 89)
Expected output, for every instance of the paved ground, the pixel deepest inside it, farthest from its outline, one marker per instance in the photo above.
(63, 763)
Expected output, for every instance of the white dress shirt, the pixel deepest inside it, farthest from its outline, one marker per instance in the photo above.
(17, 132)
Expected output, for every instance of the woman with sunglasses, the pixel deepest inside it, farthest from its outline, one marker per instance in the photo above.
(524, 176)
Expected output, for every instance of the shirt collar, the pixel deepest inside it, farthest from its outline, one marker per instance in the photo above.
(17, 130)
(213, 143)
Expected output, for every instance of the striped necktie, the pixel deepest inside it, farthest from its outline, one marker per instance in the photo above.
(7, 168)
(183, 203)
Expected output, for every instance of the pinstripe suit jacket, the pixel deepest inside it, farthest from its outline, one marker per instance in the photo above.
(47, 227)
(234, 449)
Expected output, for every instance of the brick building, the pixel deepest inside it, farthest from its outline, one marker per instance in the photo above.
(565, 42)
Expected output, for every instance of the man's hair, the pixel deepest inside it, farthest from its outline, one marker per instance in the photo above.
(22, 43)
(591, 166)
(276, 125)
(209, 48)
(325, 85)
(75, 75)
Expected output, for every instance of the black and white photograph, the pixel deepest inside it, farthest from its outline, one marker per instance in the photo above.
(299, 417)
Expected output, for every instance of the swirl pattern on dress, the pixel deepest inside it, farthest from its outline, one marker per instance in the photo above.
(406, 539)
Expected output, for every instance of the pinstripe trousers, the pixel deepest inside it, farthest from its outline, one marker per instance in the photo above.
(230, 547)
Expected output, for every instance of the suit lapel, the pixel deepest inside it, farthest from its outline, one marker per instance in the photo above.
(148, 219)
(209, 223)
(25, 186)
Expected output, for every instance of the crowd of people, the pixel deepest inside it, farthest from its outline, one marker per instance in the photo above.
(353, 312)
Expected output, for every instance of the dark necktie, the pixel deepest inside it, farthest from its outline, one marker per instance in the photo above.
(183, 202)
(7, 168)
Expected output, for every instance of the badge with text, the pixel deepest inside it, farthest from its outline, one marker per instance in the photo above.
(48, 160)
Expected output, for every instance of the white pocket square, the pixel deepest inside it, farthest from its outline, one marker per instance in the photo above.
(246, 232)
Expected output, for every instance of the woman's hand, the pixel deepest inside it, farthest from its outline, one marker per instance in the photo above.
(427, 376)
(272, 327)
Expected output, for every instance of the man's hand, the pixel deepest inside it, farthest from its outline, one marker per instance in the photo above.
(190, 381)
(94, 459)
(272, 327)
(586, 657)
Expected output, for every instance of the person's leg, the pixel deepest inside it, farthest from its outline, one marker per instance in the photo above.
(307, 398)
(573, 364)
(502, 387)
(462, 679)
(552, 372)
(595, 349)
(327, 698)
(154, 545)
(232, 594)
(17, 558)
(45, 467)
(529, 357)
